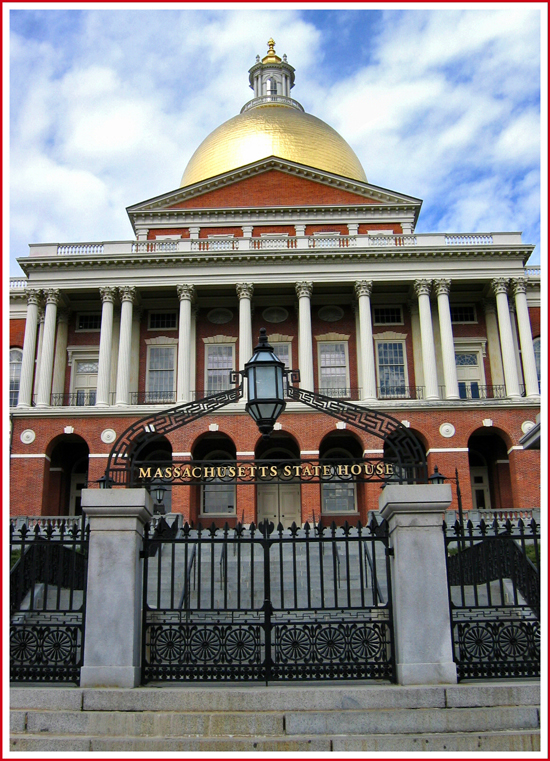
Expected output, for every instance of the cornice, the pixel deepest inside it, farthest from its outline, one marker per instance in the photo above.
(400, 253)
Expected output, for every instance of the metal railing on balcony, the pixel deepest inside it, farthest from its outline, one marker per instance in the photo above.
(353, 394)
(152, 397)
(400, 392)
(75, 399)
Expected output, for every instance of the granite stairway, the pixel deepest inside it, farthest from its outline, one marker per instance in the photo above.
(483, 717)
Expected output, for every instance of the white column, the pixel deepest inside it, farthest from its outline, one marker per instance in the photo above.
(108, 295)
(363, 290)
(244, 292)
(186, 294)
(41, 318)
(500, 288)
(519, 288)
(515, 339)
(29, 349)
(112, 655)
(493, 343)
(422, 289)
(423, 641)
(127, 297)
(193, 353)
(60, 359)
(442, 288)
(305, 338)
(46, 360)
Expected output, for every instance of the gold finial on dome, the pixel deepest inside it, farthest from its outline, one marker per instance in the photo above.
(271, 56)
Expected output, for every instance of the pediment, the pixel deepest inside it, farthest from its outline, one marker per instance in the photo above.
(273, 182)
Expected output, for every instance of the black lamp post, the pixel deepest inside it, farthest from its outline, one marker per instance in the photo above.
(439, 478)
(265, 372)
(158, 491)
(104, 482)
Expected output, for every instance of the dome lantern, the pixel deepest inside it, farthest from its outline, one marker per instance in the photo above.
(272, 79)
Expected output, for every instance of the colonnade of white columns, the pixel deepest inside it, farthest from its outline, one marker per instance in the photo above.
(54, 340)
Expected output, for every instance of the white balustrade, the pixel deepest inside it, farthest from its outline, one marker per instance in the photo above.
(79, 249)
(468, 240)
(18, 282)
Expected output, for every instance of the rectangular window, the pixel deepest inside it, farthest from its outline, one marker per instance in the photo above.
(468, 374)
(163, 320)
(463, 313)
(85, 382)
(88, 321)
(283, 352)
(161, 374)
(333, 369)
(387, 315)
(16, 357)
(219, 364)
(392, 379)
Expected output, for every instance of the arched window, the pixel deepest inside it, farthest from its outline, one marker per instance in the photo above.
(338, 496)
(218, 495)
(16, 357)
(536, 347)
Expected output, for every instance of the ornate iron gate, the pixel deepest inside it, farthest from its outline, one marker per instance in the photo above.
(494, 596)
(261, 604)
(48, 600)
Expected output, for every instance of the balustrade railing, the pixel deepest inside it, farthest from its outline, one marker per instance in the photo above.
(469, 240)
(400, 392)
(152, 397)
(353, 394)
(18, 282)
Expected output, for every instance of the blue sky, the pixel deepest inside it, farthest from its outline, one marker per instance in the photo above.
(107, 106)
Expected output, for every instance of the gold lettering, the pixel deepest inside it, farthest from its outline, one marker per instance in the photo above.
(168, 473)
(231, 471)
(220, 472)
(369, 469)
(186, 473)
(196, 472)
(241, 471)
(145, 472)
(273, 471)
(252, 471)
(296, 470)
(327, 470)
(389, 468)
(316, 470)
(355, 470)
(177, 472)
(209, 472)
(287, 471)
(380, 469)
(343, 470)
(158, 473)
(263, 470)
(306, 471)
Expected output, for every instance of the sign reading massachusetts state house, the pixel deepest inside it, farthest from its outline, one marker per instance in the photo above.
(262, 471)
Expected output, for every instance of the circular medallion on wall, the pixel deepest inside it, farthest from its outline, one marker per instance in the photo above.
(108, 436)
(275, 314)
(220, 315)
(28, 436)
(527, 425)
(330, 313)
(447, 430)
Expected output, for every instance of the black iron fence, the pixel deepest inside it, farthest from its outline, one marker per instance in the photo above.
(48, 571)
(494, 595)
(266, 604)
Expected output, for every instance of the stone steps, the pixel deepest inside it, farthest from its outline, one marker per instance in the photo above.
(295, 718)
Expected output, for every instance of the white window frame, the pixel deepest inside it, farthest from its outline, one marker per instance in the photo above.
(17, 349)
(277, 344)
(78, 354)
(324, 341)
(162, 342)
(161, 311)
(473, 346)
(208, 344)
(463, 322)
(387, 306)
(220, 454)
(326, 460)
(87, 330)
(391, 339)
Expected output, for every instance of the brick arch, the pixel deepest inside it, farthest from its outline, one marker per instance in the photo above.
(65, 451)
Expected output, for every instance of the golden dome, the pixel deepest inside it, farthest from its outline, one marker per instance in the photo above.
(272, 130)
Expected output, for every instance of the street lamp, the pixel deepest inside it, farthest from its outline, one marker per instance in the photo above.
(158, 490)
(265, 372)
(105, 482)
(439, 478)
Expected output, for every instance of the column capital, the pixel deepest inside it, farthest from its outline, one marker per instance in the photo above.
(33, 296)
(63, 316)
(422, 287)
(489, 306)
(186, 292)
(244, 290)
(52, 295)
(127, 293)
(107, 293)
(442, 287)
(519, 285)
(500, 285)
(304, 288)
(41, 316)
(362, 288)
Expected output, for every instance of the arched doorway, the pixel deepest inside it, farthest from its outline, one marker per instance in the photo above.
(68, 475)
(216, 497)
(490, 480)
(279, 502)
